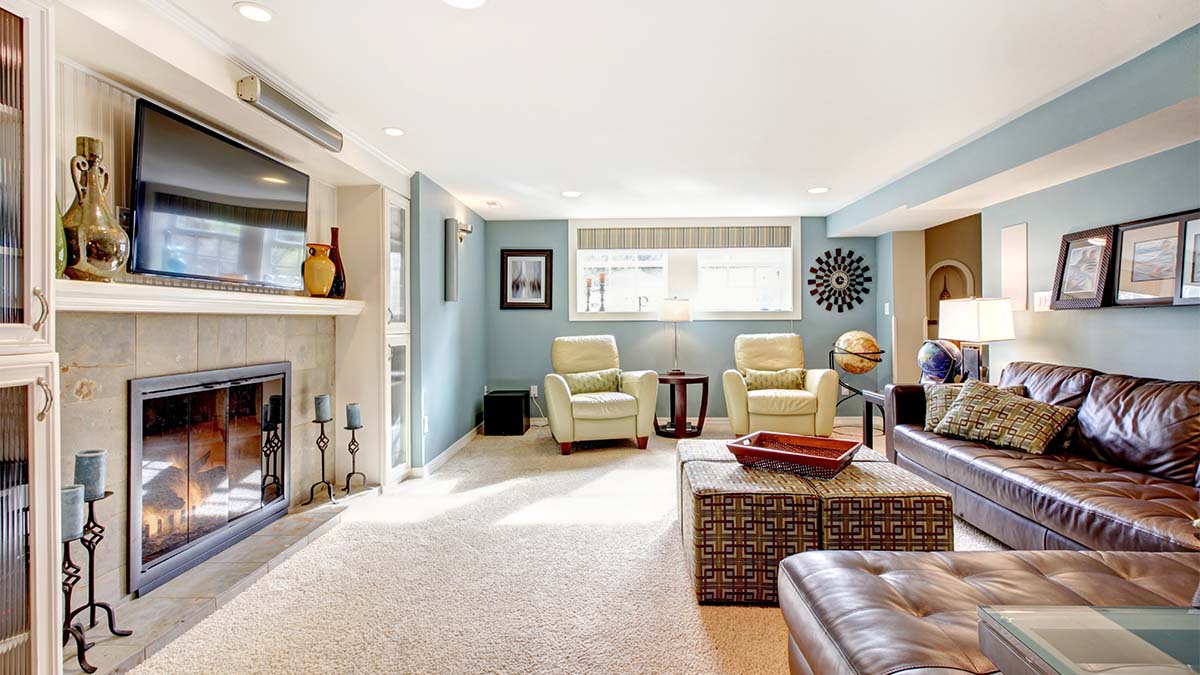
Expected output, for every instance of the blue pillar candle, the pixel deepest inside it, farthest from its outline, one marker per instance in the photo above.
(324, 408)
(275, 415)
(353, 416)
(72, 512)
(91, 472)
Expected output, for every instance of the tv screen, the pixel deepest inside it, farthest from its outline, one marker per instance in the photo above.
(208, 207)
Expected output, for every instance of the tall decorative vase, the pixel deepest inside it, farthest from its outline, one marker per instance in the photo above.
(60, 243)
(338, 290)
(318, 271)
(97, 247)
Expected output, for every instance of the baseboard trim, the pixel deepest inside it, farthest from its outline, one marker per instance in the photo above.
(437, 462)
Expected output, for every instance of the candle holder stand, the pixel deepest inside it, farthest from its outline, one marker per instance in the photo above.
(271, 447)
(602, 284)
(353, 450)
(73, 631)
(322, 445)
(93, 534)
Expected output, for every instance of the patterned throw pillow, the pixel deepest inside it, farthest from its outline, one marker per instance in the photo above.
(938, 398)
(594, 381)
(788, 378)
(988, 415)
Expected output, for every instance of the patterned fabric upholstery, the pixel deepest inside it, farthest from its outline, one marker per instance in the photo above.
(788, 378)
(986, 414)
(939, 398)
(594, 381)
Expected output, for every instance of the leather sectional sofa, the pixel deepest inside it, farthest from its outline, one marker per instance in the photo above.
(1126, 478)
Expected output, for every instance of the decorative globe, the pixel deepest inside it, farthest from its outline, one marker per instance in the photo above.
(856, 352)
(939, 361)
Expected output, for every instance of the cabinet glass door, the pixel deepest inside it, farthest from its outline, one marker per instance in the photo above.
(398, 408)
(15, 646)
(25, 269)
(397, 264)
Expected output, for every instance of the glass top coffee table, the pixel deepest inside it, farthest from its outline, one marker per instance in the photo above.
(1066, 640)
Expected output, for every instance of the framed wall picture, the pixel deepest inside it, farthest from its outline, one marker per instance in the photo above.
(1147, 261)
(1081, 279)
(1188, 289)
(526, 278)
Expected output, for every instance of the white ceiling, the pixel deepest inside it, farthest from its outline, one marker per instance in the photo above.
(659, 108)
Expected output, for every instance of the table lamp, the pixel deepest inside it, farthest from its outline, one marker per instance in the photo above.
(975, 322)
(675, 311)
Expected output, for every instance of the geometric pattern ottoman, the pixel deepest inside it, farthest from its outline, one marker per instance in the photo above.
(738, 523)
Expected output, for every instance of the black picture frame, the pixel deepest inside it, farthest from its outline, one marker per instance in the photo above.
(1125, 272)
(1097, 245)
(1188, 276)
(544, 283)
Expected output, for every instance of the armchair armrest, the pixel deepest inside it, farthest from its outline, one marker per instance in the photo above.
(902, 404)
(736, 402)
(642, 385)
(558, 408)
(823, 383)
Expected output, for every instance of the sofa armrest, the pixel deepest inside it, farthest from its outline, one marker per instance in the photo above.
(642, 385)
(736, 402)
(903, 404)
(823, 383)
(558, 408)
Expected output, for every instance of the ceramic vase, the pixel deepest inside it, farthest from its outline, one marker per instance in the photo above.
(319, 271)
(97, 247)
(338, 290)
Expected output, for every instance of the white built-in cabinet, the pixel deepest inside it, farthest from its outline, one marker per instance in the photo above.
(374, 353)
(30, 576)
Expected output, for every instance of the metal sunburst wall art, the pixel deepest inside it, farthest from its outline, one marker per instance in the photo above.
(839, 280)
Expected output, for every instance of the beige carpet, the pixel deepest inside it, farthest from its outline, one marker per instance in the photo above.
(512, 559)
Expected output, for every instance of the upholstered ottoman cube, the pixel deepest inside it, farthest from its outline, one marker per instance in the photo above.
(878, 506)
(738, 524)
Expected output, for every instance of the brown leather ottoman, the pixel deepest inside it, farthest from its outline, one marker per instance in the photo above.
(738, 523)
(882, 613)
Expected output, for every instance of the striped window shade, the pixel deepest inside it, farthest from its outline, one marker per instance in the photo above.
(766, 236)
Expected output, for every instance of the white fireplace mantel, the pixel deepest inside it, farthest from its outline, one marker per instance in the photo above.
(86, 296)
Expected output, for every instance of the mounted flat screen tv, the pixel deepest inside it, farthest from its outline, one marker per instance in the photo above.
(207, 207)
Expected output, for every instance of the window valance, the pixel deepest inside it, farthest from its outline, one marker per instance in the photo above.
(767, 236)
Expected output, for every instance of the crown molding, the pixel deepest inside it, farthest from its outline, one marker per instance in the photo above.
(214, 41)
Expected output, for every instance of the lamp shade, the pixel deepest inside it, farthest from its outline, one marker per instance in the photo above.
(976, 320)
(675, 310)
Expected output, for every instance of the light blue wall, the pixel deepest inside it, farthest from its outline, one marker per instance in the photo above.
(519, 340)
(1148, 341)
(1161, 77)
(449, 338)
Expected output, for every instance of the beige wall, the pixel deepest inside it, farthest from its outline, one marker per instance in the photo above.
(908, 304)
(959, 240)
(100, 353)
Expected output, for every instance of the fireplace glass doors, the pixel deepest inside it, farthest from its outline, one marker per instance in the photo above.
(208, 466)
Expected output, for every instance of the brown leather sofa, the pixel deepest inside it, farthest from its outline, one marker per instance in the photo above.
(886, 613)
(1125, 477)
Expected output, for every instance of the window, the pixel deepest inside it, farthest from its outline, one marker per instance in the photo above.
(741, 268)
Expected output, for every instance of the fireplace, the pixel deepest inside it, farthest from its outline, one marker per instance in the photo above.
(208, 459)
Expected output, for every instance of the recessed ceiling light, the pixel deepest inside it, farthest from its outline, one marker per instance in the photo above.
(253, 11)
(818, 190)
(493, 203)
(275, 180)
(572, 194)
(393, 131)
(465, 4)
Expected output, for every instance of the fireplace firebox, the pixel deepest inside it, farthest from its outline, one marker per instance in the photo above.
(208, 460)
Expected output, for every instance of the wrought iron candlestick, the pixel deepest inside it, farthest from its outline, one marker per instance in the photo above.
(353, 449)
(93, 534)
(322, 445)
(73, 631)
(271, 447)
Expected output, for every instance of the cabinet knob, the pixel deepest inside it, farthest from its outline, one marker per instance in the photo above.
(45, 385)
(45, 315)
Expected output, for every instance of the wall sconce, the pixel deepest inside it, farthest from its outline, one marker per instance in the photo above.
(456, 232)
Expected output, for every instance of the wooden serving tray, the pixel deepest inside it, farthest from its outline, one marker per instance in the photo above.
(809, 456)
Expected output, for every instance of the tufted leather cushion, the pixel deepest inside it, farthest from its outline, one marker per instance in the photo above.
(915, 613)
(1151, 426)
(781, 402)
(582, 353)
(1067, 386)
(768, 351)
(603, 406)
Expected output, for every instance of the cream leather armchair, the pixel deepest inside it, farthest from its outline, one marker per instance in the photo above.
(628, 413)
(807, 411)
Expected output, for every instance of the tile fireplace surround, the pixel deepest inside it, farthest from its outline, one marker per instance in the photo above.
(100, 353)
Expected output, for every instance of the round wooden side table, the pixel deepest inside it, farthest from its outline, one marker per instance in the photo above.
(678, 426)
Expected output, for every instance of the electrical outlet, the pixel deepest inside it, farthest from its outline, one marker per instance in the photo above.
(425, 424)
(887, 309)
(533, 390)
(485, 390)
